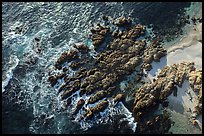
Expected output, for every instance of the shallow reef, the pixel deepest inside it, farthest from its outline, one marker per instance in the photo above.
(97, 78)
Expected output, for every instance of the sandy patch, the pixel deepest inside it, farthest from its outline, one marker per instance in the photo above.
(188, 49)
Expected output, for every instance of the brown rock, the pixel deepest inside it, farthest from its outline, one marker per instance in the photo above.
(147, 66)
(122, 21)
(100, 107)
(66, 57)
(98, 96)
(119, 97)
(81, 47)
(80, 103)
(148, 59)
(75, 65)
(158, 55)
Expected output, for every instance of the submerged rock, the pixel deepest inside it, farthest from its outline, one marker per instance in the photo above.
(158, 124)
(53, 79)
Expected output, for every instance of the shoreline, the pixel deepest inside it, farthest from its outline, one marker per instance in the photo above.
(189, 49)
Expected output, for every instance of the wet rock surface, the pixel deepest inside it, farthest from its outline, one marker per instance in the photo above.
(100, 107)
(81, 47)
(151, 94)
(66, 57)
(98, 35)
(98, 78)
(122, 21)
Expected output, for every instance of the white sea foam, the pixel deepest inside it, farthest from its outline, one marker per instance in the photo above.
(79, 24)
(129, 117)
(9, 74)
(106, 115)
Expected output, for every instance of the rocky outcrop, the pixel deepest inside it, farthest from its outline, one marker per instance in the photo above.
(100, 107)
(151, 94)
(37, 45)
(70, 89)
(79, 105)
(99, 77)
(152, 53)
(119, 97)
(104, 17)
(98, 96)
(53, 79)
(195, 80)
(134, 32)
(122, 21)
(81, 47)
(66, 57)
(98, 35)
(74, 65)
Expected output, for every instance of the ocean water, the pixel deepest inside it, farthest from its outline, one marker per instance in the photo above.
(29, 103)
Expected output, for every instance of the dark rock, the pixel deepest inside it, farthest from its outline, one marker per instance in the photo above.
(175, 91)
(69, 101)
(75, 65)
(165, 104)
(100, 107)
(66, 57)
(53, 79)
(194, 20)
(37, 39)
(81, 47)
(104, 17)
(148, 59)
(159, 124)
(122, 21)
(80, 103)
(98, 96)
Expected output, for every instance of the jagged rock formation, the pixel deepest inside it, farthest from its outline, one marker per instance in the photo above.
(98, 78)
(151, 94)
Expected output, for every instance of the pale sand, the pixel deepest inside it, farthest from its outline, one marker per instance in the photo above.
(185, 101)
(188, 49)
(182, 102)
(191, 53)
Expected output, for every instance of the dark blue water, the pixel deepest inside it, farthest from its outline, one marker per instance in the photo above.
(29, 104)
